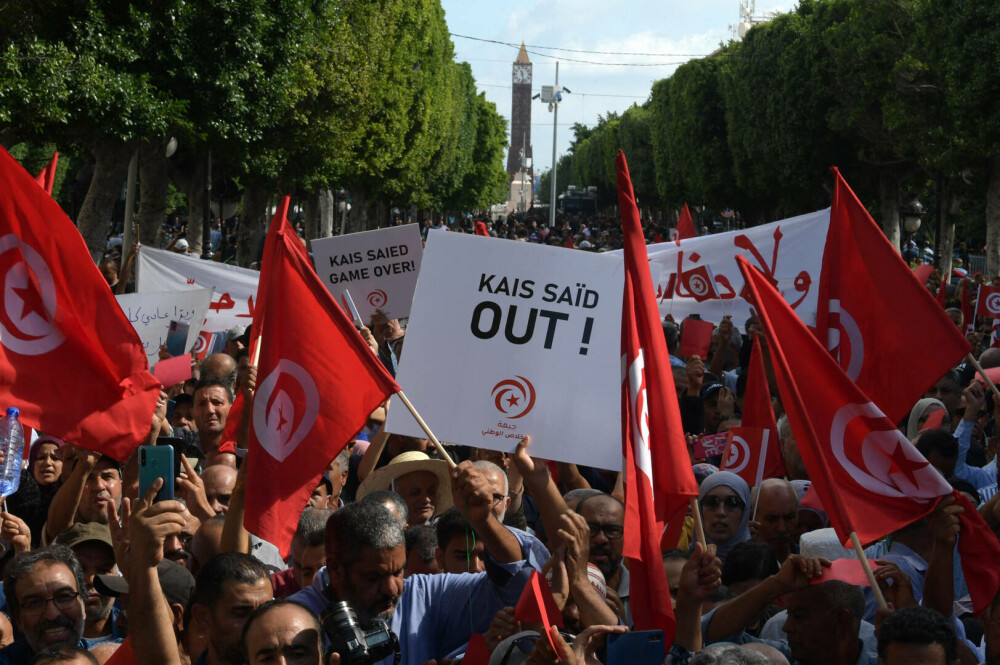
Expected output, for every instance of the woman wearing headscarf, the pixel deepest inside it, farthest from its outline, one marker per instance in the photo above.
(921, 412)
(724, 500)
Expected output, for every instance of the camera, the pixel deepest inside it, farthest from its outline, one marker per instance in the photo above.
(355, 645)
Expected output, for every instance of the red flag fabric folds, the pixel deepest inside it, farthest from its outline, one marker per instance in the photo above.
(317, 381)
(988, 301)
(685, 226)
(855, 456)
(47, 178)
(70, 360)
(752, 451)
(875, 314)
(658, 476)
(980, 551)
(481, 229)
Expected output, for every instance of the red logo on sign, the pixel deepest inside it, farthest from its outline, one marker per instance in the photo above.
(514, 399)
(378, 298)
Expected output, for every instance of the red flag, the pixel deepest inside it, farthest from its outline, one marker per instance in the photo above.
(46, 179)
(968, 322)
(481, 229)
(658, 479)
(317, 383)
(568, 243)
(685, 226)
(536, 604)
(988, 302)
(942, 294)
(657, 238)
(123, 655)
(923, 272)
(979, 549)
(696, 338)
(476, 653)
(753, 451)
(753, 454)
(856, 458)
(874, 313)
(70, 360)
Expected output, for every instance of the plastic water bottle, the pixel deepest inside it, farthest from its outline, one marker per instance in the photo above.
(11, 452)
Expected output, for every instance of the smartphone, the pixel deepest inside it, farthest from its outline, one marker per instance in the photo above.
(157, 462)
(642, 647)
(179, 445)
(171, 405)
(177, 336)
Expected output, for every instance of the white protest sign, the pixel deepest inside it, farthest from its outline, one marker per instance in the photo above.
(702, 277)
(508, 339)
(235, 288)
(151, 313)
(379, 267)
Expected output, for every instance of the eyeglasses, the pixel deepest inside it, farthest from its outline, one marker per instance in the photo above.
(730, 503)
(63, 600)
(611, 531)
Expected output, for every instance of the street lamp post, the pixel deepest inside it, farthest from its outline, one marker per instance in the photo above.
(552, 95)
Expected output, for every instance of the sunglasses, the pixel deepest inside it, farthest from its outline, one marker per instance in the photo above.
(730, 503)
(611, 531)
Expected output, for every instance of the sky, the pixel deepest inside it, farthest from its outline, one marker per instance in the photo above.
(673, 31)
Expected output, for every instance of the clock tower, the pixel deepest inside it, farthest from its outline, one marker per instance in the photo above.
(520, 113)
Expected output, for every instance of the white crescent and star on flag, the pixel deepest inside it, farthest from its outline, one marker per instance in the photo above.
(285, 409)
(890, 465)
(27, 316)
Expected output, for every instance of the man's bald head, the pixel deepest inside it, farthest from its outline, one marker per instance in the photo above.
(990, 358)
(222, 366)
(777, 512)
(219, 483)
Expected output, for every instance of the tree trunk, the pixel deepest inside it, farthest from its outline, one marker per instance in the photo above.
(327, 210)
(946, 243)
(154, 179)
(993, 218)
(890, 202)
(196, 204)
(110, 168)
(251, 223)
(357, 218)
(311, 224)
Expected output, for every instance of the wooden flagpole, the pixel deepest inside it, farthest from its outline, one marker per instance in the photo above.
(427, 430)
(989, 382)
(699, 527)
(868, 570)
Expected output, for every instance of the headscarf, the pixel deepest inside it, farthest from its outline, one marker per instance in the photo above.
(37, 448)
(913, 423)
(738, 485)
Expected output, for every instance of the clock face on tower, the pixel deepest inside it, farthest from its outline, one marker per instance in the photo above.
(522, 74)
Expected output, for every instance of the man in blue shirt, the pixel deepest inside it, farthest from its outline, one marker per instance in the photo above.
(432, 615)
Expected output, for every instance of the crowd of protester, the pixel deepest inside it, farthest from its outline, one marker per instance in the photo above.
(421, 557)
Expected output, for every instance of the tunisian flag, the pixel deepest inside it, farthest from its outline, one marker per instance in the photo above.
(875, 314)
(685, 226)
(752, 450)
(658, 476)
(869, 477)
(69, 360)
(988, 302)
(317, 381)
(47, 178)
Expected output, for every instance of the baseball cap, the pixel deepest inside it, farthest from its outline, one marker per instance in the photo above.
(709, 389)
(181, 245)
(83, 532)
(175, 580)
(235, 333)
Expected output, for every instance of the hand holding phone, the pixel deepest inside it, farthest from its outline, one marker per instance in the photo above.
(157, 462)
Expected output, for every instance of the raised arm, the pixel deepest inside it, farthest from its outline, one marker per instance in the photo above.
(473, 496)
(540, 484)
(731, 618)
(150, 620)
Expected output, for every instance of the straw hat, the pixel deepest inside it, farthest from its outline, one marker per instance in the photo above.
(408, 462)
